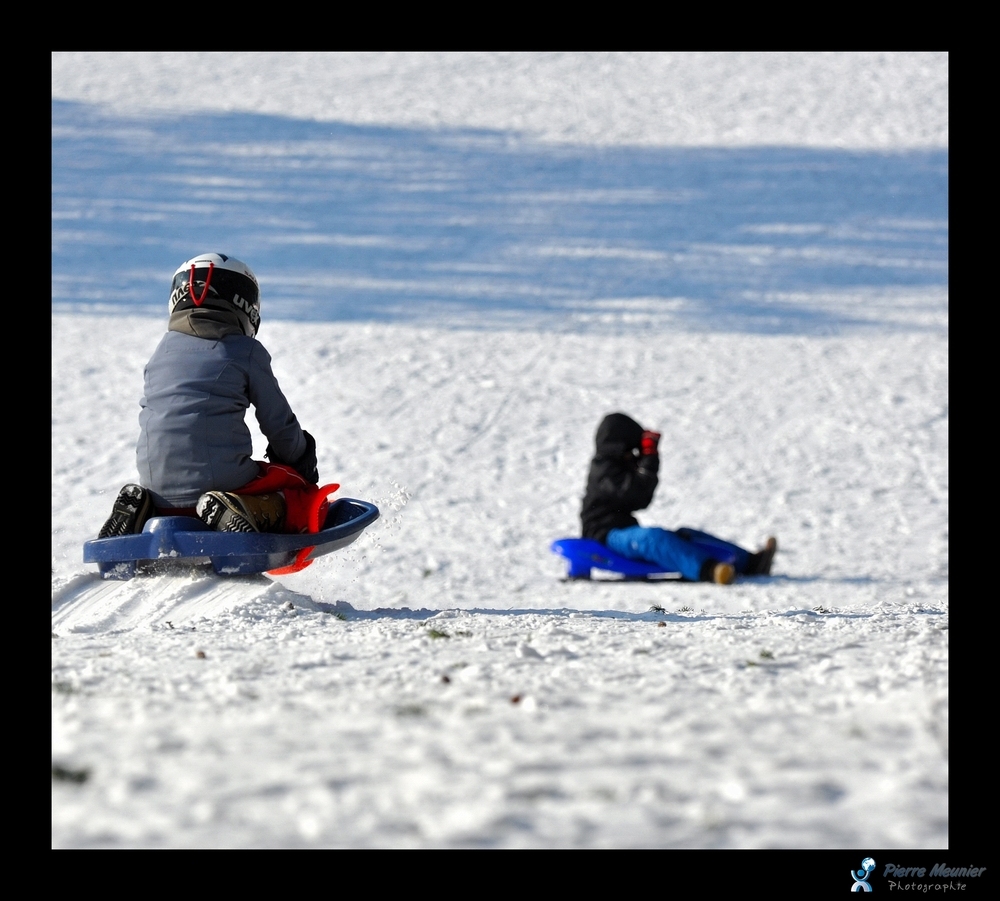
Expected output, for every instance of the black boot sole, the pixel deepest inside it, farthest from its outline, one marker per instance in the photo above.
(132, 508)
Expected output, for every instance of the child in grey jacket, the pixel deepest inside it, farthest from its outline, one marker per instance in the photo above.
(194, 454)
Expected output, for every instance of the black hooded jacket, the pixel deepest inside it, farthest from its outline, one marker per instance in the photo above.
(620, 480)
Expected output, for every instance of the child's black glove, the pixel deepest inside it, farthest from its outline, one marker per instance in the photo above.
(305, 466)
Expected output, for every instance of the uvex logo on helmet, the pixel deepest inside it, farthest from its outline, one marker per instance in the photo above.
(219, 282)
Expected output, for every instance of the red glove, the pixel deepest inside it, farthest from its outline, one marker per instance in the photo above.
(649, 443)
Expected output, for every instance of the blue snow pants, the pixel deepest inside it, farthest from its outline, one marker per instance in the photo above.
(684, 550)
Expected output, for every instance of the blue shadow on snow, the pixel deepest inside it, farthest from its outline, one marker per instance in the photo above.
(486, 229)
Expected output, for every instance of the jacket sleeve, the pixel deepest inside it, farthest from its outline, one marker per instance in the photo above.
(274, 415)
(629, 489)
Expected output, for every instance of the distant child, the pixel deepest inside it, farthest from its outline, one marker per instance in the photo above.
(622, 479)
(194, 454)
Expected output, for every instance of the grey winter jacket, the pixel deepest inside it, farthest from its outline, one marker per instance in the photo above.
(193, 435)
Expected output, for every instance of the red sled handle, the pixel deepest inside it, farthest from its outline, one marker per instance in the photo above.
(300, 562)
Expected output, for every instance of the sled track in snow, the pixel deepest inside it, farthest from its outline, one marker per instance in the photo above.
(89, 604)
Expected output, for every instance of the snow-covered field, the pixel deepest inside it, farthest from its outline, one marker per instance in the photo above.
(466, 260)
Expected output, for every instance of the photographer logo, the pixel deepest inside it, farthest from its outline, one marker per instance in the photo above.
(860, 877)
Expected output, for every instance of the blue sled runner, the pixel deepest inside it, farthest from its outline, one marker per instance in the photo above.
(583, 554)
(188, 540)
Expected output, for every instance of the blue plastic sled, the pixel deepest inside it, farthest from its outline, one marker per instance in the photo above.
(583, 554)
(189, 540)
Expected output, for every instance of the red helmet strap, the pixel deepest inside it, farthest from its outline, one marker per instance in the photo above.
(198, 301)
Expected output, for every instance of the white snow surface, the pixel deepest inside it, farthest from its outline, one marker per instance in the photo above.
(678, 99)
(523, 249)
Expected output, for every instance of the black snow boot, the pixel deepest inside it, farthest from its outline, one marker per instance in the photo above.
(760, 563)
(228, 512)
(133, 506)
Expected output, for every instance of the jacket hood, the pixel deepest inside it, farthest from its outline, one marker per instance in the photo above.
(205, 322)
(618, 434)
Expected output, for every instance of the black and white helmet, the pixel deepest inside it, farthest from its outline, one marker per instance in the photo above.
(220, 282)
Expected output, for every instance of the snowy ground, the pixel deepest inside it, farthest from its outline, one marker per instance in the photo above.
(451, 307)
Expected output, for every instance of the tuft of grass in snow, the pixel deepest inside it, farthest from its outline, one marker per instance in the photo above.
(656, 608)
(437, 633)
